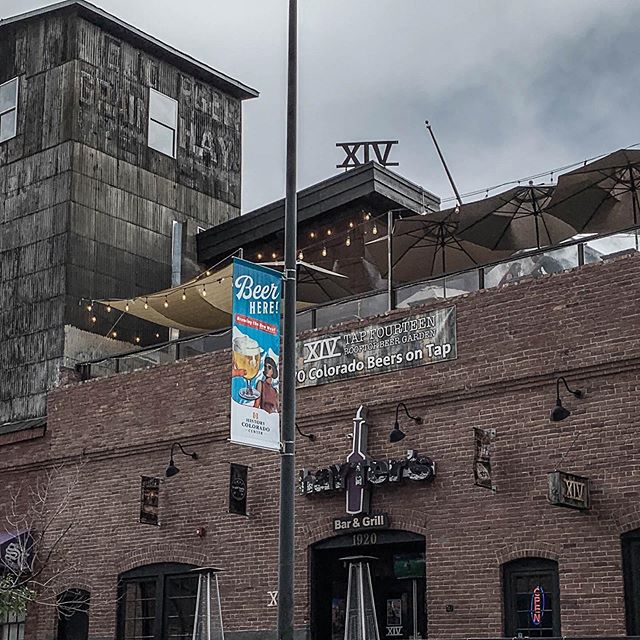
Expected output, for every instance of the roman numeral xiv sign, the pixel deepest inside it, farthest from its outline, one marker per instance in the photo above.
(378, 150)
(568, 490)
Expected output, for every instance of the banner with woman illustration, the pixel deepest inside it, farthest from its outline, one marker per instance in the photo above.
(255, 381)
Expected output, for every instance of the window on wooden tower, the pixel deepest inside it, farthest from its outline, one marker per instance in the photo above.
(163, 123)
(8, 109)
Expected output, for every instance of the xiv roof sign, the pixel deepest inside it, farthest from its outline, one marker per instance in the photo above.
(378, 348)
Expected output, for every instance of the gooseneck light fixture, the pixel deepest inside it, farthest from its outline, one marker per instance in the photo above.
(397, 434)
(559, 412)
(172, 469)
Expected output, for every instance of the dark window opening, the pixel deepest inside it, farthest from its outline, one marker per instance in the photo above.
(157, 602)
(73, 615)
(531, 598)
(631, 573)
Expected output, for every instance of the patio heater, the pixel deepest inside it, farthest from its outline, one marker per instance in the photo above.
(361, 622)
(207, 624)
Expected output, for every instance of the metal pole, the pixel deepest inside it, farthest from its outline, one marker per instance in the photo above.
(390, 260)
(444, 164)
(286, 548)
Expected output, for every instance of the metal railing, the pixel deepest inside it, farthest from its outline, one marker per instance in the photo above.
(518, 267)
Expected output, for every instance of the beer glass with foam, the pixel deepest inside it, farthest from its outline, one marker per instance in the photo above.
(246, 357)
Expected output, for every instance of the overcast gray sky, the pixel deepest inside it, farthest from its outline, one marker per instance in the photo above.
(512, 88)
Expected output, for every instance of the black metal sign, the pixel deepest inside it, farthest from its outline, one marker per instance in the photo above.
(149, 500)
(568, 490)
(408, 342)
(238, 489)
(381, 150)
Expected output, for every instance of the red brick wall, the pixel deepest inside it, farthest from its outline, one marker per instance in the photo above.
(512, 343)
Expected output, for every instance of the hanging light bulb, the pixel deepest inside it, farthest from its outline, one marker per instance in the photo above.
(324, 252)
(157, 335)
(166, 302)
(94, 319)
(146, 303)
(259, 256)
(204, 291)
(108, 308)
(126, 306)
(312, 235)
(89, 307)
(329, 232)
(137, 339)
(300, 255)
(374, 230)
(348, 241)
(184, 294)
(208, 273)
(352, 224)
(114, 334)
(274, 256)
(367, 216)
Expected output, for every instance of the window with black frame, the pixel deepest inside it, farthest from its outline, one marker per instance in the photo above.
(157, 602)
(531, 598)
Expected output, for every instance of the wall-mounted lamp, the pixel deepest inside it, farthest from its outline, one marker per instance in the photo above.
(397, 434)
(172, 469)
(305, 435)
(559, 412)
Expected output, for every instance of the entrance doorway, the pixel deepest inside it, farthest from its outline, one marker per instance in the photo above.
(397, 576)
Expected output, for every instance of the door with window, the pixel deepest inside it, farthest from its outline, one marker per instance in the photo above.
(531, 598)
(157, 602)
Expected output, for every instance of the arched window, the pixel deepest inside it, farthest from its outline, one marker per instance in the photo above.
(73, 615)
(631, 572)
(157, 602)
(531, 598)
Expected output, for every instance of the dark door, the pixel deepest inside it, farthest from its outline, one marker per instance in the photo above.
(73, 615)
(531, 598)
(397, 577)
(631, 572)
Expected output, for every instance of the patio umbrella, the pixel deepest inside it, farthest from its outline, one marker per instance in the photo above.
(315, 284)
(515, 219)
(426, 246)
(601, 196)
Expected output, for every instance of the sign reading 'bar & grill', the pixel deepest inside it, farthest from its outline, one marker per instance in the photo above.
(377, 348)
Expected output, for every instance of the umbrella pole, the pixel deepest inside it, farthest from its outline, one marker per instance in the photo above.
(390, 260)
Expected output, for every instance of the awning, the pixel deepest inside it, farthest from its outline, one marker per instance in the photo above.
(204, 303)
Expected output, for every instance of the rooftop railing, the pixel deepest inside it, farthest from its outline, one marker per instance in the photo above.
(527, 264)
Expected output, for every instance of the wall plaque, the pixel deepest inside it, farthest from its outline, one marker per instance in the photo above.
(404, 343)
(238, 489)
(568, 490)
(149, 499)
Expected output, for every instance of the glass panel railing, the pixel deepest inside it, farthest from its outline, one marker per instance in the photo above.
(415, 294)
(351, 310)
(461, 283)
(205, 344)
(600, 249)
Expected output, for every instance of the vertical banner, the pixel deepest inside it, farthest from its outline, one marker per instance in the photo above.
(255, 382)
(482, 457)
(149, 494)
(238, 489)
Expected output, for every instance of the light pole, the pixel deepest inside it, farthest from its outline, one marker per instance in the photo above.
(286, 546)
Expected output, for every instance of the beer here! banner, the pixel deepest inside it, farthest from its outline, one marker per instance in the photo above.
(255, 344)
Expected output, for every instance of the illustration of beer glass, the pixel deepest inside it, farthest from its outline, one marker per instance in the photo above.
(246, 356)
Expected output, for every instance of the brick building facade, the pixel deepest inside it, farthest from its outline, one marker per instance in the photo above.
(512, 343)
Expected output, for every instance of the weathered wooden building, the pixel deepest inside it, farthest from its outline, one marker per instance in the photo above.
(115, 150)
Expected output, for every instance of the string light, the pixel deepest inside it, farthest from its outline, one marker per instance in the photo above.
(329, 232)
(204, 291)
(114, 334)
(312, 235)
(348, 241)
(126, 306)
(146, 303)
(166, 302)
(259, 256)
(108, 308)
(367, 216)
(351, 224)
(89, 307)
(374, 230)
(208, 273)
(137, 339)
(184, 294)
(300, 255)
(274, 256)
(157, 335)
(324, 251)
(94, 319)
